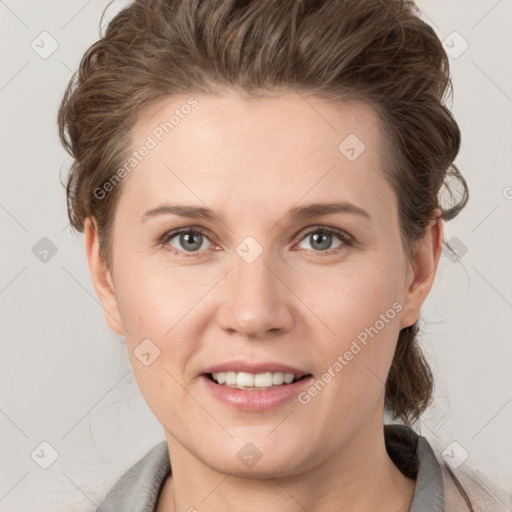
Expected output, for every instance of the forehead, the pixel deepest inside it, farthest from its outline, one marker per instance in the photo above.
(252, 154)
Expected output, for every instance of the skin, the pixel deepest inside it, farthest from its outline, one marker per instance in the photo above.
(251, 161)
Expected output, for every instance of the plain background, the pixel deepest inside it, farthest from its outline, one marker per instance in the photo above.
(66, 378)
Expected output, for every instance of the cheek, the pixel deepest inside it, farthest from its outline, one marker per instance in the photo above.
(161, 308)
(361, 305)
(155, 306)
(152, 298)
(353, 297)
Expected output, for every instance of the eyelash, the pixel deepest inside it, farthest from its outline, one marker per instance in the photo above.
(344, 237)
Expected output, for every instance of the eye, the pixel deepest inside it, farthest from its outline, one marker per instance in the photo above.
(187, 240)
(321, 238)
(192, 240)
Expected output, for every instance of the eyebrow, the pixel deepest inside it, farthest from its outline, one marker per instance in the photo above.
(299, 213)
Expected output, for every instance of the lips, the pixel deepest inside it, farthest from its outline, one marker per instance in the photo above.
(256, 395)
(254, 399)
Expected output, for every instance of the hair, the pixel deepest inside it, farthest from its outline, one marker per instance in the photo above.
(374, 51)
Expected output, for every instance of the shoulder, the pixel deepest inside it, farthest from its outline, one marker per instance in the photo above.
(438, 485)
(138, 488)
(467, 490)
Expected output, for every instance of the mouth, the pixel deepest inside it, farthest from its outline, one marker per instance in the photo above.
(255, 381)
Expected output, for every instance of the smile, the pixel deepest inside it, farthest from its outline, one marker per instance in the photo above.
(254, 381)
(254, 394)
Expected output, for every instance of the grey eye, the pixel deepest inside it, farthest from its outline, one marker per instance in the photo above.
(321, 240)
(189, 241)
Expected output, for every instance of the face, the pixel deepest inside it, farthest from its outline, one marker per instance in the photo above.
(259, 281)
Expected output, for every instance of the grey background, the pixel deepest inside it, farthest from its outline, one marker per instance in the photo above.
(65, 377)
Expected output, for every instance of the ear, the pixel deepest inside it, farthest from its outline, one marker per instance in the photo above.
(422, 271)
(101, 277)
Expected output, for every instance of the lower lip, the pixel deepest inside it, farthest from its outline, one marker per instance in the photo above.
(252, 400)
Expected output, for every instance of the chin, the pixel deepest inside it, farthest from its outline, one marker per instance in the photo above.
(253, 456)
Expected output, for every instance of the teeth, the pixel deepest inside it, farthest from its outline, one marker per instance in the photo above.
(277, 378)
(263, 380)
(231, 378)
(244, 380)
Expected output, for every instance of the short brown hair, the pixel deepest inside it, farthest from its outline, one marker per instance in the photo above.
(376, 51)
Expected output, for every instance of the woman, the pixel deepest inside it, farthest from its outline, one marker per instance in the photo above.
(258, 185)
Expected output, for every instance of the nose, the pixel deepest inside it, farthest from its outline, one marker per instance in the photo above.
(256, 300)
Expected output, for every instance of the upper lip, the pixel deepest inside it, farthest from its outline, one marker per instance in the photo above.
(254, 367)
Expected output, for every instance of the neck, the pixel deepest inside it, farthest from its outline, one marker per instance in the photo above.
(358, 477)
